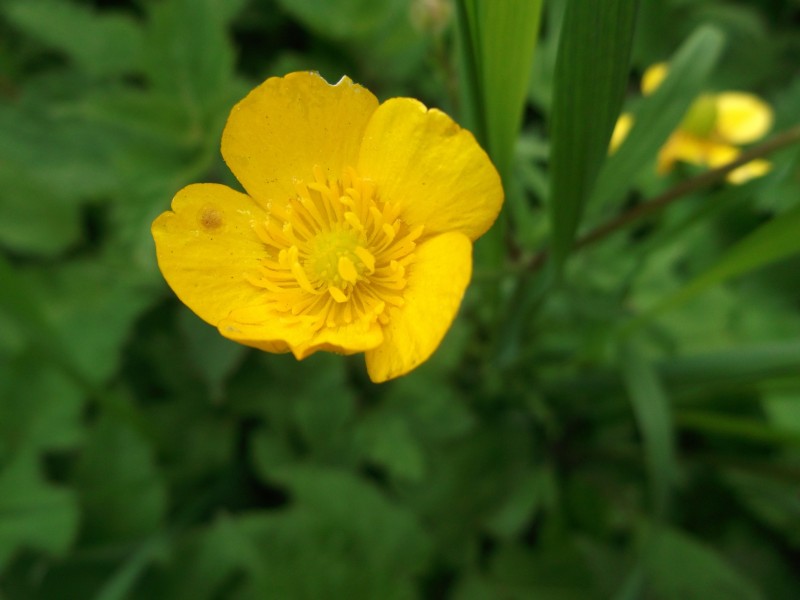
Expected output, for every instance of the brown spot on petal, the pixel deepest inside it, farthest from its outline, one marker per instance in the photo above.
(210, 217)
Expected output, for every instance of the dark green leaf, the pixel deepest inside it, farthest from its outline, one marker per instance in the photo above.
(590, 80)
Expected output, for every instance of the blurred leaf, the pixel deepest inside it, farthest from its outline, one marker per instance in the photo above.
(19, 301)
(651, 406)
(40, 408)
(100, 42)
(387, 441)
(680, 567)
(774, 503)
(557, 572)
(316, 549)
(120, 489)
(189, 54)
(434, 409)
(489, 462)
(659, 114)
(345, 18)
(213, 356)
(33, 513)
(752, 430)
(93, 309)
(35, 218)
(590, 79)
(533, 491)
(502, 41)
(775, 240)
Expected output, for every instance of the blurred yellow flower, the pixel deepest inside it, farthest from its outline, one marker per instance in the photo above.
(355, 232)
(711, 131)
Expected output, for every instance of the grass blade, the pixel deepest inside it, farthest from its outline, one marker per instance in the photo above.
(590, 80)
(503, 39)
(659, 114)
(653, 415)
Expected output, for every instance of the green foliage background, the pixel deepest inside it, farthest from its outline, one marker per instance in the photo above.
(621, 423)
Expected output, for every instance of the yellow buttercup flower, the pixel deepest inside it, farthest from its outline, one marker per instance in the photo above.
(355, 232)
(711, 131)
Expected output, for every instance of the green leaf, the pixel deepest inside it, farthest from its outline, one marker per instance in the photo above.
(659, 114)
(120, 489)
(345, 18)
(502, 40)
(93, 309)
(40, 408)
(213, 356)
(315, 548)
(19, 301)
(190, 56)
(590, 80)
(33, 513)
(651, 407)
(387, 441)
(775, 240)
(35, 218)
(679, 567)
(101, 43)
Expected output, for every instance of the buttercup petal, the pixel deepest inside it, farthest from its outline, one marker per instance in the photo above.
(206, 246)
(621, 129)
(435, 170)
(752, 170)
(264, 328)
(742, 118)
(287, 125)
(436, 285)
(653, 76)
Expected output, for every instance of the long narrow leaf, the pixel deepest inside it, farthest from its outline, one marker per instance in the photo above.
(653, 415)
(590, 80)
(660, 114)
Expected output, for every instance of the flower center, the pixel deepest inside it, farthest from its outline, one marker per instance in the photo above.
(337, 259)
(336, 253)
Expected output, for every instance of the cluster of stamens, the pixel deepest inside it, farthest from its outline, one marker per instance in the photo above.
(336, 253)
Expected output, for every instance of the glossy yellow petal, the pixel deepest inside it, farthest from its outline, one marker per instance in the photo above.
(436, 286)
(748, 171)
(621, 130)
(653, 76)
(287, 125)
(718, 154)
(263, 327)
(684, 147)
(742, 118)
(206, 246)
(431, 168)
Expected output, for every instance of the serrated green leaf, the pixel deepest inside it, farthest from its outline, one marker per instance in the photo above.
(92, 309)
(33, 513)
(40, 408)
(590, 80)
(775, 240)
(679, 566)
(99, 42)
(387, 441)
(35, 219)
(316, 549)
(659, 114)
(120, 489)
(190, 56)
